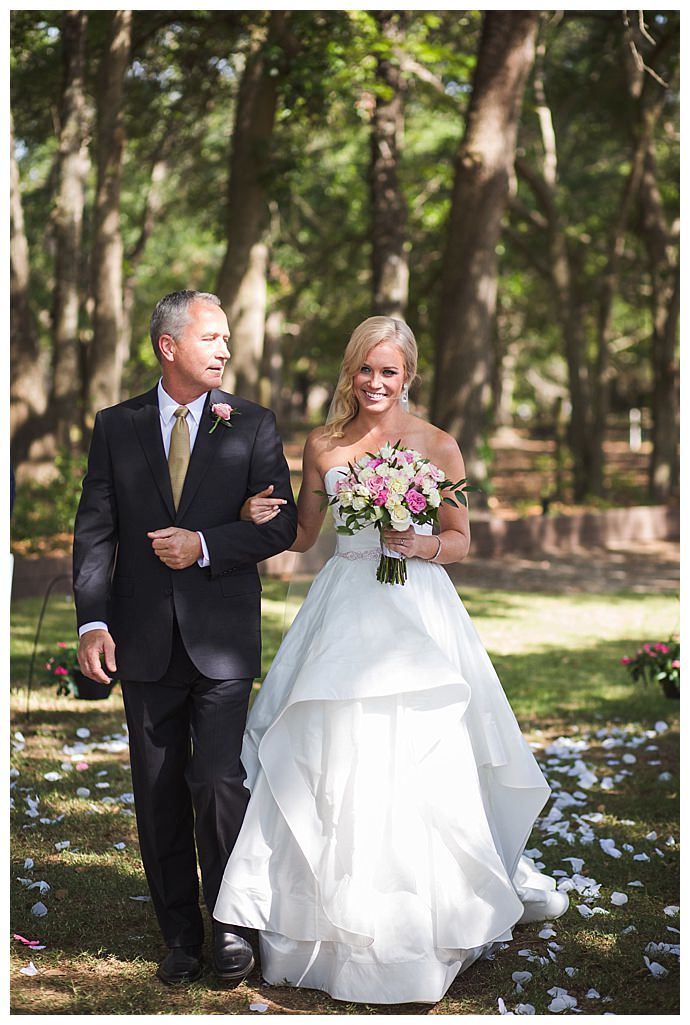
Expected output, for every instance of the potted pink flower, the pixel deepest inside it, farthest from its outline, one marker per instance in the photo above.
(657, 662)
(64, 668)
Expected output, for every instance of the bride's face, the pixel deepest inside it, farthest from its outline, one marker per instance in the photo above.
(379, 381)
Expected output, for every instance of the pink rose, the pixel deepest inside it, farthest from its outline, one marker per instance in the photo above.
(663, 648)
(626, 660)
(676, 663)
(416, 502)
(60, 671)
(646, 647)
(375, 484)
(222, 409)
(382, 497)
(373, 463)
(62, 644)
(408, 457)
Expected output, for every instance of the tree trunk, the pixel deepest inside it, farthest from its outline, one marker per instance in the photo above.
(544, 185)
(105, 355)
(153, 207)
(68, 220)
(241, 283)
(665, 275)
(388, 207)
(468, 288)
(28, 383)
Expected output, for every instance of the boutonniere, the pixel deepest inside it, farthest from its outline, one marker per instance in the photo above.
(222, 412)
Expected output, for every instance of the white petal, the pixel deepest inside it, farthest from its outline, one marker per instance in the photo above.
(672, 910)
(619, 899)
(29, 969)
(657, 970)
(39, 909)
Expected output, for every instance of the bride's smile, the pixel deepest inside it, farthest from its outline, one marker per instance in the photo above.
(379, 382)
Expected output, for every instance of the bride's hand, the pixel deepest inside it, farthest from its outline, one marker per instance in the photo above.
(261, 508)
(406, 542)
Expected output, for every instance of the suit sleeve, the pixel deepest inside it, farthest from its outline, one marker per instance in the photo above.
(95, 533)
(235, 545)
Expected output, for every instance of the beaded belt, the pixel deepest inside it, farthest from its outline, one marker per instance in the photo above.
(369, 553)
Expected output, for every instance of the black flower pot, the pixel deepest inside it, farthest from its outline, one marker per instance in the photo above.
(91, 690)
(670, 689)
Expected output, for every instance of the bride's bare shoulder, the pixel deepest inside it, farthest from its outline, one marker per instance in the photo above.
(435, 443)
(319, 448)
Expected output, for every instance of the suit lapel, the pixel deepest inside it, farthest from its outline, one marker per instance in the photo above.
(148, 427)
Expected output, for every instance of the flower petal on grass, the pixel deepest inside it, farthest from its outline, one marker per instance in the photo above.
(39, 909)
(657, 970)
(258, 1007)
(672, 910)
(52, 777)
(83, 732)
(29, 969)
(619, 899)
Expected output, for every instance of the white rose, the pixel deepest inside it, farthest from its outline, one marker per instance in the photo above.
(398, 485)
(387, 451)
(365, 474)
(400, 518)
(359, 503)
(345, 497)
(361, 489)
(434, 498)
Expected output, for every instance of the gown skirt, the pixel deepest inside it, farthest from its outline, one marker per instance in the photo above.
(392, 793)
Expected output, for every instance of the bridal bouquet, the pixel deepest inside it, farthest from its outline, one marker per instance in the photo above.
(394, 487)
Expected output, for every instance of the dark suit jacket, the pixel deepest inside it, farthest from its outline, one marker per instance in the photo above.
(126, 493)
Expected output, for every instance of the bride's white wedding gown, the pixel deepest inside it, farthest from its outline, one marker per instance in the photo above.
(392, 793)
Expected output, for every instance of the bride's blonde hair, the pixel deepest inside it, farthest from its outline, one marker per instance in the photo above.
(370, 333)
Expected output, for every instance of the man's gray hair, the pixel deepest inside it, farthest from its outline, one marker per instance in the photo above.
(172, 313)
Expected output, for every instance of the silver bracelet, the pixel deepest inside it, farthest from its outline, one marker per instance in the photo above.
(438, 550)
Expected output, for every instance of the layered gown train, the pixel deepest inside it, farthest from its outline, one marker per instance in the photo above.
(392, 793)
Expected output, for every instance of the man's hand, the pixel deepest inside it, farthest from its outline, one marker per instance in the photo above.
(176, 547)
(261, 508)
(92, 645)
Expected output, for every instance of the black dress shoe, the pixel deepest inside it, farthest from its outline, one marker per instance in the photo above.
(233, 958)
(182, 965)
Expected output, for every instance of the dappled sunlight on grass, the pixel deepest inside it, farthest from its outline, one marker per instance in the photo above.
(558, 658)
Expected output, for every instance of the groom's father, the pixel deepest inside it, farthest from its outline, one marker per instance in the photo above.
(168, 594)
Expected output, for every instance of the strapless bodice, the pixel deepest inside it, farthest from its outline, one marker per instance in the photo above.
(364, 543)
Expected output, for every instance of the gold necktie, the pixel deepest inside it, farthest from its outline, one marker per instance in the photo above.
(178, 455)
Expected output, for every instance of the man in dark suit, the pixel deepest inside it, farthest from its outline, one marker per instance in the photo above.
(168, 594)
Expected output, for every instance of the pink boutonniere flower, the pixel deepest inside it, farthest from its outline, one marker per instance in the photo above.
(222, 411)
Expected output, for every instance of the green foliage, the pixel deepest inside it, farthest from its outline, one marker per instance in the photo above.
(44, 510)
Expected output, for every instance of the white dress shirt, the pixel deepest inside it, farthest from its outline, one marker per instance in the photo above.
(166, 408)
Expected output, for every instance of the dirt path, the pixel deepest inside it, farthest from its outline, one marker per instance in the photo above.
(649, 567)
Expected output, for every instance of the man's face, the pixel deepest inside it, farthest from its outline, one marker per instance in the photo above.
(197, 357)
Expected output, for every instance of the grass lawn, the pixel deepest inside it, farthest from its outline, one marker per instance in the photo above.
(558, 658)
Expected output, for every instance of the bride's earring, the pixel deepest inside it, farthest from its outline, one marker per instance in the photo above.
(404, 396)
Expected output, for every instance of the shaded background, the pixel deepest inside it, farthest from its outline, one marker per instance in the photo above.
(505, 181)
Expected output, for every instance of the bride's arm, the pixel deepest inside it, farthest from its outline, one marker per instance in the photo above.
(310, 513)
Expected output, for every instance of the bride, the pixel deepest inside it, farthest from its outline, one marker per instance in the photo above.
(392, 793)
